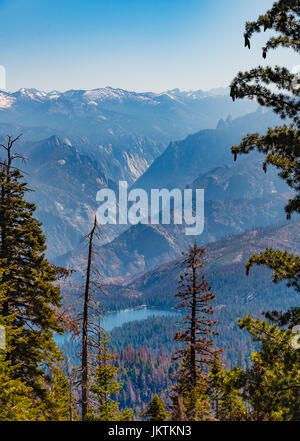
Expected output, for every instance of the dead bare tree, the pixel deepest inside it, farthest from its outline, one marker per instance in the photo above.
(90, 309)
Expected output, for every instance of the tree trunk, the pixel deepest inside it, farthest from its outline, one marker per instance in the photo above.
(193, 332)
(84, 355)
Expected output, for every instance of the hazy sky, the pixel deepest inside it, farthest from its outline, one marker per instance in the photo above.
(138, 45)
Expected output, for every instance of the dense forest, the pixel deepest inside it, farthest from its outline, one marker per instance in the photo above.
(221, 358)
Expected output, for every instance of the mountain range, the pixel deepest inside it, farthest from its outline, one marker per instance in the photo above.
(184, 160)
(78, 142)
(124, 130)
(67, 165)
(238, 197)
(141, 247)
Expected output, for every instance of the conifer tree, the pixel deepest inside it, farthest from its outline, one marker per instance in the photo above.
(198, 350)
(31, 296)
(57, 402)
(105, 385)
(156, 410)
(278, 89)
(272, 384)
(198, 329)
(16, 399)
(190, 403)
(288, 319)
(225, 394)
(178, 411)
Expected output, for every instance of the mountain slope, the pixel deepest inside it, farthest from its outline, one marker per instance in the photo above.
(184, 160)
(238, 197)
(64, 184)
(236, 293)
(225, 270)
(125, 130)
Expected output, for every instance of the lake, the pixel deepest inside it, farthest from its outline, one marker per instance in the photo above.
(119, 318)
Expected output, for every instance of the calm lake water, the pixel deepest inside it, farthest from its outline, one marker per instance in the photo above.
(115, 319)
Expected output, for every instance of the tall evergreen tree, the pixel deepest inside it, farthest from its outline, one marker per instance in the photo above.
(195, 296)
(16, 399)
(156, 410)
(105, 385)
(198, 350)
(57, 400)
(279, 89)
(190, 403)
(225, 394)
(31, 296)
(272, 384)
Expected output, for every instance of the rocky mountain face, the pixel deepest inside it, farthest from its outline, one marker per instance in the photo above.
(184, 160)
(64, 184)
(124, 130)
(238, 197)
(240, 180)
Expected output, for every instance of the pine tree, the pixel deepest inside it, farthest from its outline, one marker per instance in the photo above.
(178, 411)
(281, 145)
(194, 296)
(105, 385)
(156, 410)
(272, 384)
(224, 391)
(31, 297)
(190, 403)
(16, 399)
(57, 404)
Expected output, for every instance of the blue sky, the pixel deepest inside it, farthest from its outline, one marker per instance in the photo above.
(138, 45)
